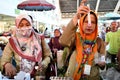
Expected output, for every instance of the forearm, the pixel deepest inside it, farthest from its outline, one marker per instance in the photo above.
(75, 19)
(6, 56)
(46, 53)
(68, 36)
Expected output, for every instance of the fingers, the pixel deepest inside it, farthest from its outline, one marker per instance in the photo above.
(42, 66)
(10, 73)
(10, 70)
(83, 10)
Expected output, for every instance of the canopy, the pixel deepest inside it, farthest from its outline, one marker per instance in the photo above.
(35, 5)
(110, 16)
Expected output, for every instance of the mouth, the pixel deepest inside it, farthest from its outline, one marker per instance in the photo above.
(89, 30)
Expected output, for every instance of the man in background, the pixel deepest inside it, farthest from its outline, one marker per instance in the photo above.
(112, 39)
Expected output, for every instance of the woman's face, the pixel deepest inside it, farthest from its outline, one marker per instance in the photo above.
(57, 33)
(88, 29)
(24, 28)
(24, 23)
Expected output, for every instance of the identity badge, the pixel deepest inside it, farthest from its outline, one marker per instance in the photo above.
(87, 69)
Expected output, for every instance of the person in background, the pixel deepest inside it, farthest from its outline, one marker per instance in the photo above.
(54, 42)
(102, 34)
(118, 55)
(114, 69)
(114, 26)
(108, 29)
(55, 46)
(28, 49)
(111, 39)
(89, 54)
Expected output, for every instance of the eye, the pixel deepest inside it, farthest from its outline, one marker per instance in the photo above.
(28, 24)
(86, 21)
(21, 25)
(93, 22)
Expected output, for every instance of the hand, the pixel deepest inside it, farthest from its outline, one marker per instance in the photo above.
(82, 9)
(10, 70)
(101, 64)
(42, 66)
(55, 50)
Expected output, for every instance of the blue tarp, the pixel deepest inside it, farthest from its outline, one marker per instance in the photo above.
(110, 16)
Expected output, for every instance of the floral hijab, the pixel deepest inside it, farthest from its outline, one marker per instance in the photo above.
(86, 47)
(28, 48)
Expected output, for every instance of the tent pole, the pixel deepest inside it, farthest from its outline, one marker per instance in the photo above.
(117, 6)
(97, 5)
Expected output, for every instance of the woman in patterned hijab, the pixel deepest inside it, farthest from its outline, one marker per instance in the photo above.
(28, 48)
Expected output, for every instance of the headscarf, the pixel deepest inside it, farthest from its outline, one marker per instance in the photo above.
(23, 31)
(58, 31)
(79, 45)
(20, 17)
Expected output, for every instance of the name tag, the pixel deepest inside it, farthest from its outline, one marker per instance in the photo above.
(87, 69)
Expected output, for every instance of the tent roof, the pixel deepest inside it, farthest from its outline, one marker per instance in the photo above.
(69, 7)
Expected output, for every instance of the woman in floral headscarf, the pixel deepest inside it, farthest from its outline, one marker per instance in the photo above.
(28, 48)
(89, 54)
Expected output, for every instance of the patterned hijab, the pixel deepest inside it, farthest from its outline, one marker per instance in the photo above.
(80, 38)
(20, 17)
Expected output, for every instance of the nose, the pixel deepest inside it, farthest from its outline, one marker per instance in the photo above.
(89, 25)
(24, 32)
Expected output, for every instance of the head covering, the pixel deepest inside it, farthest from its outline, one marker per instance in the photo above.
(81, 47)
(108, 29)
(94, 34)
(57, 30)
(23, 31)
(20, 17)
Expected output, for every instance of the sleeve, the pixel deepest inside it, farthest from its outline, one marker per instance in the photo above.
(101, 46)
(6, 55)
(46, 52)
(100, 56)
(68, 37)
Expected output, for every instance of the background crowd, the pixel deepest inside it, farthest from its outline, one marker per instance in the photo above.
(84, 51)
